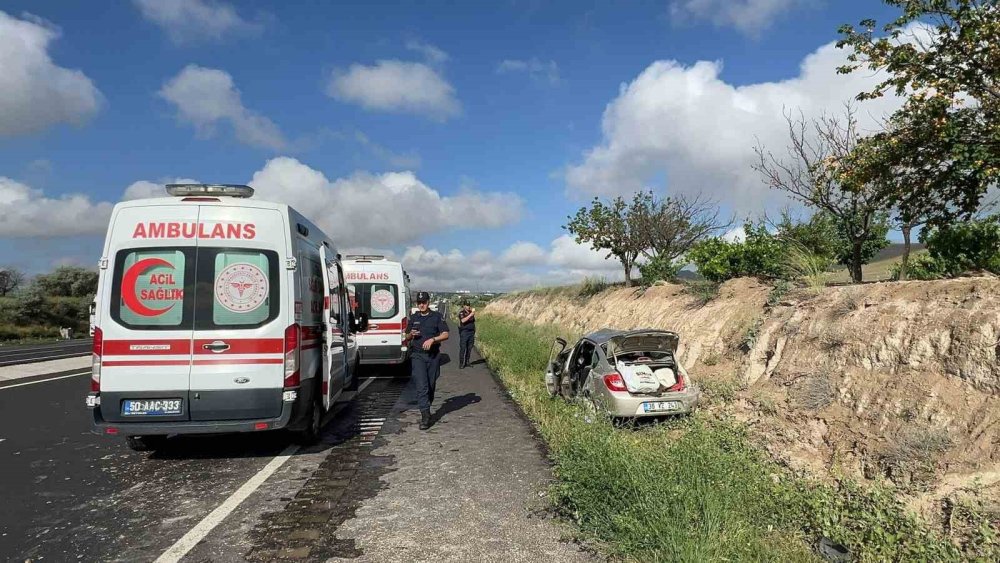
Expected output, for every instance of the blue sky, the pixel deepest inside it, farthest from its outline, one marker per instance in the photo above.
(508, 116)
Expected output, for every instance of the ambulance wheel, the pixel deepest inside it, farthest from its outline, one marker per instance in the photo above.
(406, 368)
(314, 422)
(145, 443)
(352, 384)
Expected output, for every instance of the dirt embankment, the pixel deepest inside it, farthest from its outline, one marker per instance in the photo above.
(891, 380)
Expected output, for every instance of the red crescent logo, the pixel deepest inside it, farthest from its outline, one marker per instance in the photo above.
(128, 286)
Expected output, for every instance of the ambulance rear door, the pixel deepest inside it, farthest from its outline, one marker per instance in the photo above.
(146, 320)
(241, 313)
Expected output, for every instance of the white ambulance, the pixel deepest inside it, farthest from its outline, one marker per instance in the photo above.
(382, 291)
(218, 313)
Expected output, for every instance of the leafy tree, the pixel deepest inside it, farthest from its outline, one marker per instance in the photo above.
(669, 226)
(963, 247)
(760, 254)
(614, 227)
(659, 268)
(817, 172)
(944, 55)
(10, 280)
(68, 281)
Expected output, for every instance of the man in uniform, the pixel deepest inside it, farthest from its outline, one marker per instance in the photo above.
(428, 330)
(466, 333)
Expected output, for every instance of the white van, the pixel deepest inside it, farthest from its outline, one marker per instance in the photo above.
(382, 290)
(218, 313)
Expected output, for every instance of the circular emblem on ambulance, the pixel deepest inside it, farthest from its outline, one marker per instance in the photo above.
(241, 287)
(382, 301)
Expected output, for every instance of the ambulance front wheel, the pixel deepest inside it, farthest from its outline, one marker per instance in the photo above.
(145, 443)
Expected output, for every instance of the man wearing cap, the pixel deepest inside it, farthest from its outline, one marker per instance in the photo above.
(428, 330)
(466, 333)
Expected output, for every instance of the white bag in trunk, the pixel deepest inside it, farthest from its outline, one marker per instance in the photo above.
(638, 378)
(666, 376)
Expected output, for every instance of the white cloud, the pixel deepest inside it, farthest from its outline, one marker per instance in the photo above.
(371, 210)
(192, 21)
(432, 54)
(394, 159)
(35, 93)
(750, 17)
(524, 254)
(144, 189)
(26, 212)
(396, 86)
(204, 97)
(687, 124)
(534, 67)
(522, 265)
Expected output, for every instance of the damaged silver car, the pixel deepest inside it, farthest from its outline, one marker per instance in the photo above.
(628, 374)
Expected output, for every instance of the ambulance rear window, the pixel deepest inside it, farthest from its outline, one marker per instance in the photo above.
(203, 288)
(377, 300)
(244, 288)
(153, 288)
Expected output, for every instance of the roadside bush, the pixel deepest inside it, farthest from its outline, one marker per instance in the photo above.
(703, 290)
(760, 255)
(920, 267)
(14, 332)
(659, 269)
(963, 247)
(590, 287)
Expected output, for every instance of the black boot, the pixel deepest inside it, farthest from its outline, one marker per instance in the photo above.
(425, 419)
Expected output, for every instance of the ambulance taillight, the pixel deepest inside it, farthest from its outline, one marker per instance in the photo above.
(97, 352)
(292, 339)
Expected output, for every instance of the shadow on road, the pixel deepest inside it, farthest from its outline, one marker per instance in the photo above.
(453, 404)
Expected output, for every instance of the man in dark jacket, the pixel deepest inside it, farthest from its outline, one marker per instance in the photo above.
(466, 333)
(428, 330)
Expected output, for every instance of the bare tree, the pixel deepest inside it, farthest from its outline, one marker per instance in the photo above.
(673, 224)
(816, 172)
(10, 280)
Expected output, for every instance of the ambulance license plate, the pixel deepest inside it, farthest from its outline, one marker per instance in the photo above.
(151, 407)
(661, 406)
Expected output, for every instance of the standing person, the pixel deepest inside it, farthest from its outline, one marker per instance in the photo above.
(466, 333)
(428, 330)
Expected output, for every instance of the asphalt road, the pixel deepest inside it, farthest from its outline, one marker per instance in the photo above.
(70, 495)
(31, 353)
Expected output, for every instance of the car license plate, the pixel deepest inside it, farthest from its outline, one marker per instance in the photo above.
(151, 407)
(661, 406)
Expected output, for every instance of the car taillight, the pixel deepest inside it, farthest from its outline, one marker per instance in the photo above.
(679, 386)
(292, 334)
(403, 326)
(614, 382)
(97, 352)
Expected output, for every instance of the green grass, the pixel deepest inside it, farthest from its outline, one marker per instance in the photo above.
(692, 489)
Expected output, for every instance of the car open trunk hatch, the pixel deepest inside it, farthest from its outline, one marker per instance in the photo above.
(643, 341)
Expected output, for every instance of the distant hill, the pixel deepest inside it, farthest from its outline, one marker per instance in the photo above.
(880, 267)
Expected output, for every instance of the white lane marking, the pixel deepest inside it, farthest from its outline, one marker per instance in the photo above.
(22, 361)
(201, 530)
(44, 380)
(214, 518)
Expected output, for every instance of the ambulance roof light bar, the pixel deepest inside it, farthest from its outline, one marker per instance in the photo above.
(231, 190)
(365, 257)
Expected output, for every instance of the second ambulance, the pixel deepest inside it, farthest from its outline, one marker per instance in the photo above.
(382, 290)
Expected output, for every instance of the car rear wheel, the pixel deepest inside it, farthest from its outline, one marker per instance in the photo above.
(145, 443)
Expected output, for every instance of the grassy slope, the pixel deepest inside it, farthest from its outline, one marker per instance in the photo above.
(692, 489)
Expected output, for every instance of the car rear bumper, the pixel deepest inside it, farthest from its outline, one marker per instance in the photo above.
(629, 406)
(384, 354)
(152, 427)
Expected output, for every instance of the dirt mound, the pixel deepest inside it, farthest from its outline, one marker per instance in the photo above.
(897, 381)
